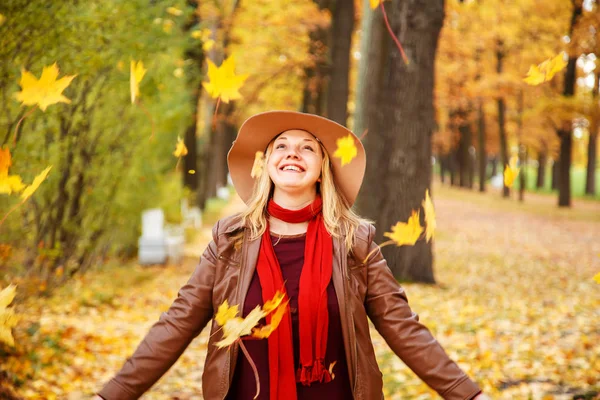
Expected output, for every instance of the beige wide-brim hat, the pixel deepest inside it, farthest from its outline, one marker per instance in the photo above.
(257, 131)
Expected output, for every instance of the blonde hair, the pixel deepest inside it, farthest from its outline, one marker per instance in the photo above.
(339, 218)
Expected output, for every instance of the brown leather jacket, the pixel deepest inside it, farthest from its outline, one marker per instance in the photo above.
(363, 290)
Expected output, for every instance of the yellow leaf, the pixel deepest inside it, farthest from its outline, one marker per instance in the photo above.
(174, 11)
(180, 149)
(510, 173)
(225, 313)
(257, 167)
(37, 181)
(45, 91)
(555, 65)
(597, 278)
(346, 149)
(11, 183)
(191, 172)
(430, 223)
(375, 3)
(272, 304)
(7, 295)
(196, 34)
(136, 74)
(406, 233)
(265, 331)
(236, 327)
(2, 19)
(7, 316)
(546, 70)
(534, 76)
(223, 82)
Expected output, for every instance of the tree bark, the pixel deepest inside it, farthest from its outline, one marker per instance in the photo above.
(555, 175)
(541, 175)
(370, 66)
(502, 117)
(482, 149)
(341, 29)
(565, 130)
(402, 121)
(590, 176)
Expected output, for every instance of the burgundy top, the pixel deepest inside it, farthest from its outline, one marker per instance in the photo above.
(290, 254)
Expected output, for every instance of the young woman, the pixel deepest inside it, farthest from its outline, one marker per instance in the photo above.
(298, 234)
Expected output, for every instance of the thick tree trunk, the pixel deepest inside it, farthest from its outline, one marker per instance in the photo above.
(523, 174)
(590, 176)
(316, 75)
(402, 122)
(341, 29)
(501, 118)
(565, 130)
(369, 68)
(541, 174)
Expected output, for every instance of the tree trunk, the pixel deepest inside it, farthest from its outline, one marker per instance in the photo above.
(402, 121)
(555, 175)
(523, 174)
(462, 152)
(443, 167)
(590, 176)
(482, 150)
(370, 65)
(494, 162)
(316, 75)
(541, 175)
(501, 118)
(342, 27)
(564, 131)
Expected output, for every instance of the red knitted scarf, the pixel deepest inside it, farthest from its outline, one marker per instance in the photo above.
(312, 303)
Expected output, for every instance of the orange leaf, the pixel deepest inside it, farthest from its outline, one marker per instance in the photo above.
(265, 331)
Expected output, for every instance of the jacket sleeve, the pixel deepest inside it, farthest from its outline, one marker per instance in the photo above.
(170, 335)
(388, 309)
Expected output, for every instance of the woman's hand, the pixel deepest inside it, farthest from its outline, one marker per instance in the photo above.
(481, 397)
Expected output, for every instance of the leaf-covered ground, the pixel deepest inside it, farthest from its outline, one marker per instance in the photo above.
(515, 306)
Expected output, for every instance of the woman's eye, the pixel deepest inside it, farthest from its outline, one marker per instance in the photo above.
(309, 148)
(279, 146)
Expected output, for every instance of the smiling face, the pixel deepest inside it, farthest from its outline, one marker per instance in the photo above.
(294, 164)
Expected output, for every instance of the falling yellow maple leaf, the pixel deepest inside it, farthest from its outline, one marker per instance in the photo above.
(45, 91)
(180, 149)
(430, 223)
(265, 331)
(237, 327)
(257, 167)
(8, 318)
(546, 70)
(597, 278)
(37, 181)
(136, 74)
(225, 313)
(346, 149)
(406, 233)
(510, 174)
(223, 82)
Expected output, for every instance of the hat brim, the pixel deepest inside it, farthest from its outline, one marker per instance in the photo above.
(257, 131)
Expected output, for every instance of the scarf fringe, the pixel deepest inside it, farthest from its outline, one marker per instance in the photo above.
(316, 372)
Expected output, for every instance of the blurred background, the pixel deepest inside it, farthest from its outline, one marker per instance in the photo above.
(491, 106)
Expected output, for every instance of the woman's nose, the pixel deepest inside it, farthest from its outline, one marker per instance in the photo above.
(292, 153)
